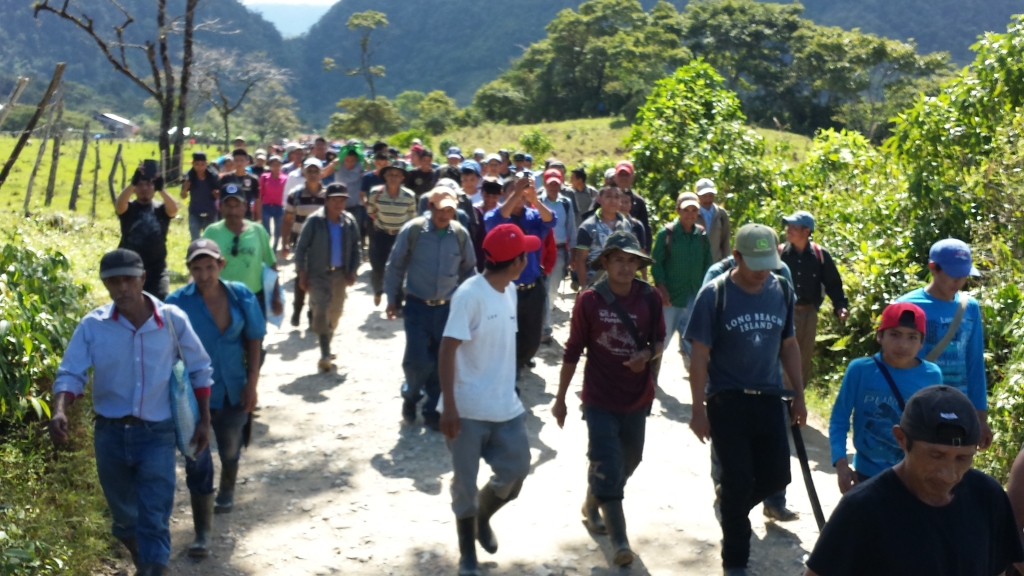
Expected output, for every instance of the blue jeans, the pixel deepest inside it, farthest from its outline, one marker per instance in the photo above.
(227, 423)
(553, 282)
(424, 327)
(135, 464)
(615, 449)
(197, 223)
(676, 319)
(275, 214)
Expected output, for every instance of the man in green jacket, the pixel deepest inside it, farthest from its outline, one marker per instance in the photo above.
(681, 254)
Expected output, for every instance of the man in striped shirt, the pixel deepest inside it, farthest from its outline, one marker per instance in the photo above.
(302, 201)
(390, 206)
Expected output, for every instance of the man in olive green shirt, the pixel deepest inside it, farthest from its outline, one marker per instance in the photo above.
(681, 254)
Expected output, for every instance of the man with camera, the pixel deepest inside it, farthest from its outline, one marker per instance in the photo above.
(144, 225)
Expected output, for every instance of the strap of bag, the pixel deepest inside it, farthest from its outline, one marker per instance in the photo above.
(950, 332)
(892, 383)
(605, 291)
(174, 336)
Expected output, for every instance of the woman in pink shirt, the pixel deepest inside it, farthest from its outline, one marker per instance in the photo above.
(272, 197)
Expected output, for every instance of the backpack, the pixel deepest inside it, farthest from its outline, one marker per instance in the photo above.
(818, 253)
(720, 293)
(419, 224)
(668, 238)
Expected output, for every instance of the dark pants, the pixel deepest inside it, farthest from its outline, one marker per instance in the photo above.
(424, 327)
(532, 305)
(749, 433)
(615, 450)
(380, 248)
(158, 283)
(227, 423)
(359, 213)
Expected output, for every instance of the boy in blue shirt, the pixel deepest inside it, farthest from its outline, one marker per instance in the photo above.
(962, 356)
(874, 391)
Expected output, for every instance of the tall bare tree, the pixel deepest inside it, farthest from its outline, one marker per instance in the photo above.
(159, 79)
(365, 22)
(225, 78)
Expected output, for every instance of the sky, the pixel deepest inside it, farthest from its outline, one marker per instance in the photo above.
(302, 2)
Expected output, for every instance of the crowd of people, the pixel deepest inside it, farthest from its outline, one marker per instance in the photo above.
(473, 255)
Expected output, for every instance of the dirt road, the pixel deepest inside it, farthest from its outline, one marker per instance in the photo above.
(334, 483)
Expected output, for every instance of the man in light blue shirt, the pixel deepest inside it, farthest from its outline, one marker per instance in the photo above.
(227, 318)
(565, 237)
(129, 345)
(433, 254)
(962, 360)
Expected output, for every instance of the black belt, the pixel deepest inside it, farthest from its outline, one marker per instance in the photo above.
(781, 393)
(388, 232)
(427, 302)
(123, 420)
(527, 286)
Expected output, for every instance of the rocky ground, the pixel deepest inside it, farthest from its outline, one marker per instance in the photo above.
(335, 483)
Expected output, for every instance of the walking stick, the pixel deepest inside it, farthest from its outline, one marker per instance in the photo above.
(805, 467)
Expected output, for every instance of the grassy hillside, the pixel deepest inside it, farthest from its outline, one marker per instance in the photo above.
(578, 141)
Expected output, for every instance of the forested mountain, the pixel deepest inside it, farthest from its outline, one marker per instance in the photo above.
(451, 45)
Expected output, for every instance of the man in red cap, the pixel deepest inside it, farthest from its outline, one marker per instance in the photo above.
(564, 234)
(624, 175)
(481, 415)
(874, 390)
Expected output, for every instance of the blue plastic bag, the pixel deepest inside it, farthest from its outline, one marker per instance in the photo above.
(184, 406)
(269, 281)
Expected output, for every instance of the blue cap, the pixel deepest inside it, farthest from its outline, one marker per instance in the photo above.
(454, 151)
(800, 218)
(954, 257)
(470, 165)
(528, 157)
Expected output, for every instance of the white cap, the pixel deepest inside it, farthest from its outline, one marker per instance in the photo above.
(311, 162)
(609, 174)
(479, 152)
(705, 186)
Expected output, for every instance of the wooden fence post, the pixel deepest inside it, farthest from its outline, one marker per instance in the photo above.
(42, 150)
(58, 137)
(13, 99)
(95, 179)
(32, 123)
(73, 203)
(113, 172)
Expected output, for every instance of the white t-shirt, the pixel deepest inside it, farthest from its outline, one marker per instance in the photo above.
(295, 178)
(485, 363)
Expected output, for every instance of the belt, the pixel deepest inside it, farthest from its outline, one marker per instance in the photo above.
(383, 231)
(781, 393)
(274, 205)
(527, 286)
(123, 420)
(427, 302)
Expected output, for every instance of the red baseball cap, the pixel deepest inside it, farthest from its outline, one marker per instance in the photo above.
(903, 315)
(624, 165)
(552, 174)
(506, 242)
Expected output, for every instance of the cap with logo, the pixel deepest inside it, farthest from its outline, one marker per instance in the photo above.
(687, 199)
(759, 246)
(705, 186)
(800, 218)
(903, 315)
(336, 189)
(121, 262)
(624, 166)
(552, 175)
(941, 415)
(232, 190)
(506, 242)
(202, 247)
(954, 257)
(625, 242)
(469, 166)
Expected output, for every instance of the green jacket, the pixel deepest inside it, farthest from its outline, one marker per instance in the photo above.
(681, 267)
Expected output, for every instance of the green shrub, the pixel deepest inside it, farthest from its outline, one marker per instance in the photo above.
(403, 140)
(536, 143)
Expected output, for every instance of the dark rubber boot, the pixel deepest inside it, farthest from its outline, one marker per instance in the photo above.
(202, 520)
(468, 566)
(488, 503)
(592, 515)
(615, 519)
(226, 495)
(295, 317)
(150, 570)
(133, 548)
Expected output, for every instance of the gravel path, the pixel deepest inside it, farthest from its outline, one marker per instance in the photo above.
(334, 483)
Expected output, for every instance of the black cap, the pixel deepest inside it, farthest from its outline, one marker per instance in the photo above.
(519, 156)
(941, 415)
(393, 166)
(337, 189)
(202, 247)
(199, 156)
(232, 190)
(121, 262)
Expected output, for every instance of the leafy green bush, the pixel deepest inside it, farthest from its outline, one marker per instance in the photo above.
(403, 140)
(40, 306)
(536, 143)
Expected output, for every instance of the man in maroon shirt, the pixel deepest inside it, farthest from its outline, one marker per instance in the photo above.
(619, 322)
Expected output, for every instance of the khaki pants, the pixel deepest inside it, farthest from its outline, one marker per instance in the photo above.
(805, 323)
(326, 301)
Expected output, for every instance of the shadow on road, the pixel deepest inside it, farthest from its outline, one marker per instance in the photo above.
(420, 455)
(671, 407)
(378, 327)
(295, 344)
(313, 386)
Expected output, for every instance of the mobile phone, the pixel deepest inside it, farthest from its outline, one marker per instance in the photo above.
(149, 169)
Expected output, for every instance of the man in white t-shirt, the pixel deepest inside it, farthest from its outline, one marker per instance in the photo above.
(481, 414)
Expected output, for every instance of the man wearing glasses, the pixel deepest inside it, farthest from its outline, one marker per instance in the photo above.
(245, 246)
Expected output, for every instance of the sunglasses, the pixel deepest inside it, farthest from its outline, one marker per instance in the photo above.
(234, 246)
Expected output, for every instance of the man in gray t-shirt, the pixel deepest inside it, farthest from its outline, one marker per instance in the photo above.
(741, 330)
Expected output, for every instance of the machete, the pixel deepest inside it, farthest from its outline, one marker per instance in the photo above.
(812, 494)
